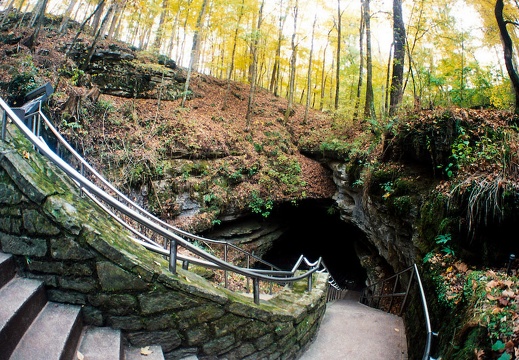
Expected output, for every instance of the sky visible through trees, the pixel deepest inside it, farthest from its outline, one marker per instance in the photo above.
(453, 53)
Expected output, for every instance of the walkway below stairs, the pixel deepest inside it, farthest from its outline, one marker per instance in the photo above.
(353, 331)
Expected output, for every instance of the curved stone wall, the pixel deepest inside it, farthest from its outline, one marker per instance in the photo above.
(86, 258)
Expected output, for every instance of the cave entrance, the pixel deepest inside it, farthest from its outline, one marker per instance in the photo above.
(315, 231)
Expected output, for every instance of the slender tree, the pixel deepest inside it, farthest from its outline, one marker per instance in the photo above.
(254, 68)
(369, 108)
(309, 75)
(274, 79)
(397, 78)
(338, 55)
(293, 59)
(30, 41)
(194, 50)
(233, 54)
(508, 47)
(361, 65)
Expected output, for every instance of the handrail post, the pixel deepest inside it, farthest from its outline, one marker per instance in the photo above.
(225, 270)
(247, 287)
(4, 123)
(173, 256)
(407, 291)
(310, 283)
(393, 294)
(255, 285)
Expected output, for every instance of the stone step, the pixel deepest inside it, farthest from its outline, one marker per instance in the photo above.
(7, 268)
(100, 343)
(53, 335)
(20, 302)
(146, 353)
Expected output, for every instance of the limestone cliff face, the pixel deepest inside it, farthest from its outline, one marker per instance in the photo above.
(391, 236)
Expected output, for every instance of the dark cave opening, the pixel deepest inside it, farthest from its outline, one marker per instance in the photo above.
(314, 231)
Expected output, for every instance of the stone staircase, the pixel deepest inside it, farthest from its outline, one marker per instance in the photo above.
(33, 328)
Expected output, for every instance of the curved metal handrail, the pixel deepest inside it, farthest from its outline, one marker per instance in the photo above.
(368, 299)
(156, 226)
(85, 165)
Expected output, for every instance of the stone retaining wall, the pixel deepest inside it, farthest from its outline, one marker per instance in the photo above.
(86, 258)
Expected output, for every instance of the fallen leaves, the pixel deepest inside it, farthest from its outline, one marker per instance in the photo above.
(146, 351)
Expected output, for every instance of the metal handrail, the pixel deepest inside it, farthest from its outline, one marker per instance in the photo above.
(152, 223)
(369, 295)
(85, 165)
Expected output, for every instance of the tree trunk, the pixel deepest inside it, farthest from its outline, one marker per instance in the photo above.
(338, 54)
(160, 31)
(194, 50)
(309, 77)
(30, 41)
(250, 105)
(97, 18)
(274, 80)
(83, 24)
(66, 16)
(293, 59)
(361, 65)
(369, 108)
(96, 38)
(233, 55)
(508, 52)
(396, 92)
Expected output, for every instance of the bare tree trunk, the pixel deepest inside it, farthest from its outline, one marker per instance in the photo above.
(508, 52)
(361, 65)
(293, 59)
(97, 17)
(30, 42)
(83, 24)
(369, 108)
(66, 16)
(397, 78)
(254, 68)
(309, 77)
(194, 50)
(96, 38)
(160, 31)
(338, 54)
(233, 55)
(274, 80)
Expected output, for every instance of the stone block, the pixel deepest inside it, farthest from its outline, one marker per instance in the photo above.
(62, 212)
(83, 285)
(22, 245)
(11, 225)
(200, 314)
(67, 248)
(92, 316)
(160, 301)
(46, 266)
(115, 304)
(36, 224)
(69, 297)
(228, 323)
(130, 323)
(113, 278)
(161, 322)
(198, 335)
(219, 345)
(169, 340)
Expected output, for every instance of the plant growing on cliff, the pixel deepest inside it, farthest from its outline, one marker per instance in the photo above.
(260, 206)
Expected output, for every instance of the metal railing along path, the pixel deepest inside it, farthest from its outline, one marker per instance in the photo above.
(391, 289)
(121, 208)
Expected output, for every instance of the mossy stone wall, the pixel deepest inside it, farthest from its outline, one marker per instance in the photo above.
(86, 258)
